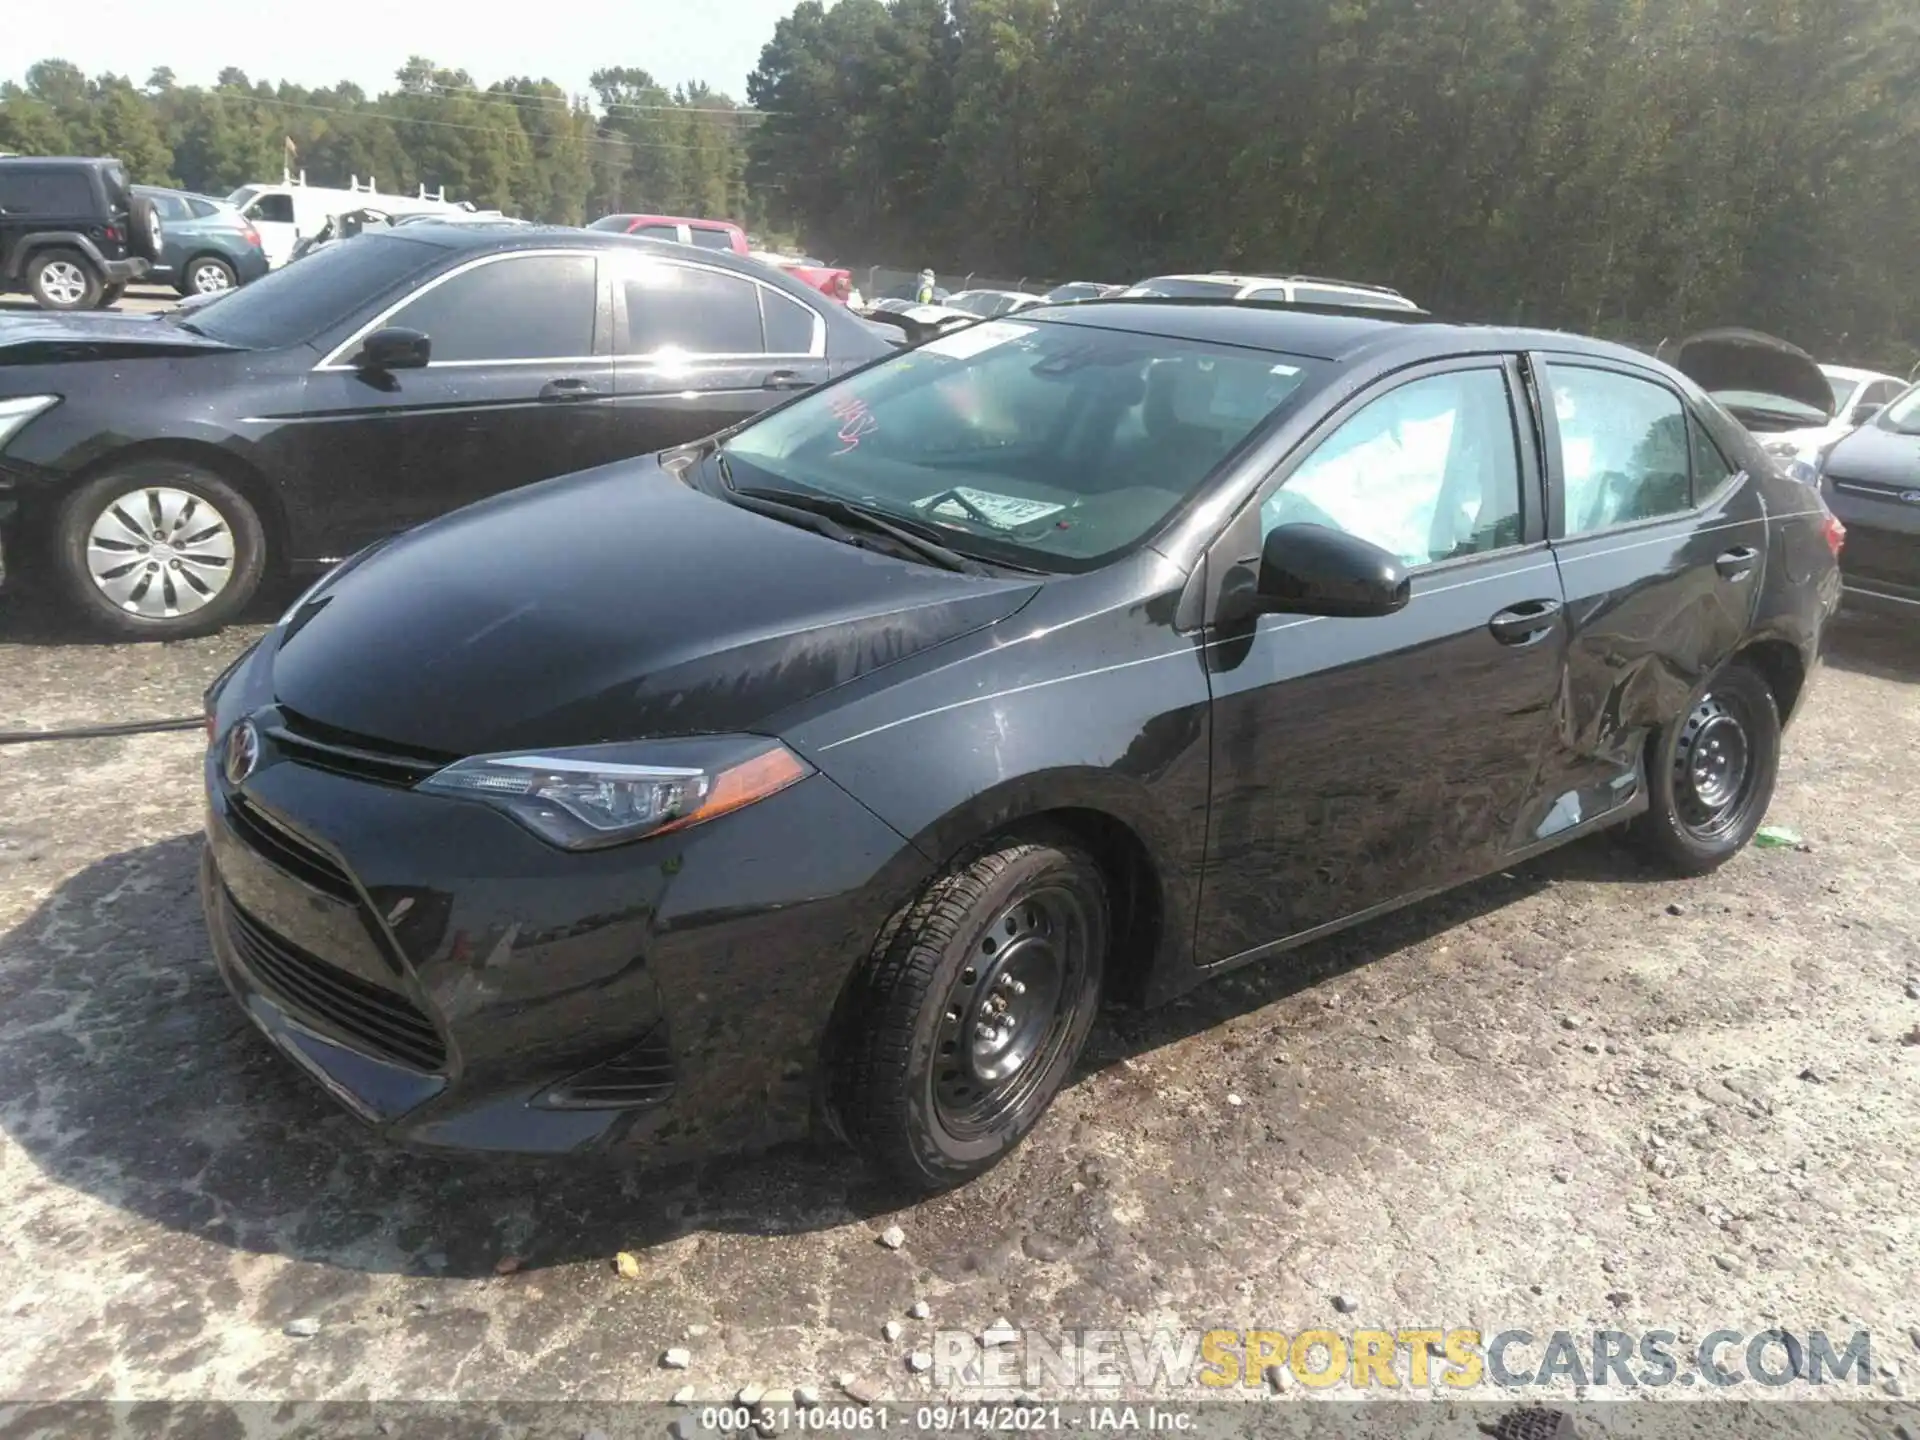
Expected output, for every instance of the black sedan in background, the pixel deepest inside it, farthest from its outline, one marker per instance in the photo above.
(158, 466)
(1871, 479)
(832, 771)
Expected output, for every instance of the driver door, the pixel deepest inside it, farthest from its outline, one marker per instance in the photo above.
(1357, 762)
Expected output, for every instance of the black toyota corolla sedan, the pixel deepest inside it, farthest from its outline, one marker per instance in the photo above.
(157, 466)
(827, 775)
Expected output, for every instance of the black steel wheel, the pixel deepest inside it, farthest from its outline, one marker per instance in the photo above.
(967, 1018)
(1711, 773)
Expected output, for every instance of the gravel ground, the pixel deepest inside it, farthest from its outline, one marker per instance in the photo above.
(1573, 1097)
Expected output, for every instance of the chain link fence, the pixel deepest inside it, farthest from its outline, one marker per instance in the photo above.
(879, 282)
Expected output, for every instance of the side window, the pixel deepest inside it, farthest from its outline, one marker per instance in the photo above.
(43, 191)
(1275, 294)
(171, 207)
(710, 239)
(1710, 467)
(691, 311)
(275, 209)
(1428, 472)
(1623, 448)
(202, 209)
(657, 232)
(1880, 392)
(1323, 295)
(789, 323)
(526, 307)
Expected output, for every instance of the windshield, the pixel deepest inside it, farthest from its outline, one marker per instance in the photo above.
(1844, 389)
(1755, 401)
(239, 198)
(984, 303)
(1902, 416)
(296, 302)
(1048, 445)
(1173, 289)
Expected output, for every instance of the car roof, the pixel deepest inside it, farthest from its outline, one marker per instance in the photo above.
(1849, 372)
(37, 161)
(501, 236)
(1320, 334)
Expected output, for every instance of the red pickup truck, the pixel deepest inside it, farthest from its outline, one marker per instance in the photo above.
(833, 283)
(707, 234)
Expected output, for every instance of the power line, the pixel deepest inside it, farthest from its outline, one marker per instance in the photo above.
(739, 111)
(370, 113)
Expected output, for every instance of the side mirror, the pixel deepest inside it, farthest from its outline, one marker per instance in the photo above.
(1314, 570)
(1863, 413)
(394, 348)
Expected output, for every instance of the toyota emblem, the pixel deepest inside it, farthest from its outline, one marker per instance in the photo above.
(243, 752)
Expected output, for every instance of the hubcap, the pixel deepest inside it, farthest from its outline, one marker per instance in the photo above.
(63, 282)
(160, 552)
(1008, 1011)
(208, 279)
(1712, 768)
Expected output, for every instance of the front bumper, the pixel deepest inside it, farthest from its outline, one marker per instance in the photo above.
(456, 983)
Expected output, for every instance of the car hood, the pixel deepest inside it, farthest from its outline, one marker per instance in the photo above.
(1747, 360)
(611, 605)
(46, 339)
(1877, 456)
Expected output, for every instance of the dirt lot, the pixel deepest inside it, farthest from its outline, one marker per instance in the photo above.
(1572, 1097)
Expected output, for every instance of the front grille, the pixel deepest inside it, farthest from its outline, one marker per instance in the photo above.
(323, 747)
(383, 1021)
(636, 1077)
(281, 847)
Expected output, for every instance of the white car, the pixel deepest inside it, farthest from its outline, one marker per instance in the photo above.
(991, 304)
(1278, 289)
(1857, 396)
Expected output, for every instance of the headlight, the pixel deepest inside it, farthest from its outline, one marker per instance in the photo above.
(602, 795)
(18, 411)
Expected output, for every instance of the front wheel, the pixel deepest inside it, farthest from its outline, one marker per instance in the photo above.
(967, 1018)
(158, 549)
(1711, 773)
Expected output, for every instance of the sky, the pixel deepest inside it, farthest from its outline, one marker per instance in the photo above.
(321, 42)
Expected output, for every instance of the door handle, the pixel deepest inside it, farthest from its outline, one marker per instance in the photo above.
(1737, 564)
(1524, 623)
(569, 389)
(786, 380)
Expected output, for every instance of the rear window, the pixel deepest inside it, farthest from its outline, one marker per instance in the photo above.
(42, 190)
(1174, 289)
(1363, 299)
(295, 303)
(616, 223)
(710, 239)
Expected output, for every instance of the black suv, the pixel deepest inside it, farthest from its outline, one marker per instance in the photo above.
(72, 232)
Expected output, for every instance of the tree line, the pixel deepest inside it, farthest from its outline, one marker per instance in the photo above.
(520, 145)
(1637, 168)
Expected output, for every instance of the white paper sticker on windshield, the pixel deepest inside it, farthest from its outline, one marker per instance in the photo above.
(1009, 512)
(975, 339)
(1284, 370)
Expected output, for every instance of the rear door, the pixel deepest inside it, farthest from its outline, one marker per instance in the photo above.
(519, 389)
(1359, 761)
(1662, 546)
(699, 348)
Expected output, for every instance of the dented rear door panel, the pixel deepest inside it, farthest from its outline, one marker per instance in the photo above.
(1653, 608)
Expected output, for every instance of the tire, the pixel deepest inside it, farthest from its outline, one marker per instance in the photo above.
(61, 279)
(207, 275)
(197, 578)
(110, 296)
(1711, 773)
(143, 223)
(966, 1019)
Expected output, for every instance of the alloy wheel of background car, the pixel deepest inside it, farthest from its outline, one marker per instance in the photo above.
(1711, 773)
(62, 280)
(209, 276)
(965, 1022)
(159, 549)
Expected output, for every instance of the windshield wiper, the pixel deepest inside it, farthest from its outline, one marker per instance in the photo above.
(858, 517)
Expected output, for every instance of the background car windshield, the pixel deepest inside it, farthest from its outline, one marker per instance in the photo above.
(1903, 414)
(1843, 392)
(297, 302)
(1053, 445)
(1187, 289)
